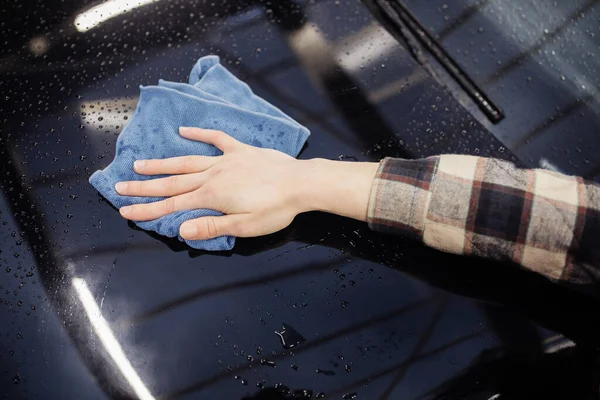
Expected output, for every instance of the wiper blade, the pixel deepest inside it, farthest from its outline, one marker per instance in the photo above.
(408, 27)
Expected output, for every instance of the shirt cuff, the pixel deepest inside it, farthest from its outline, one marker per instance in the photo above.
(400, 196)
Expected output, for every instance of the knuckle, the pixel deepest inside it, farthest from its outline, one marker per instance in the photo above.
(169, 205)
(216, 139)
(172, 182)
(216, 170)
(133, 210)
(211, 227)
(217, 135)
(220, 134)
(208, 191)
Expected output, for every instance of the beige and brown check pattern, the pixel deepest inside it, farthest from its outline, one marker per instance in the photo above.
(545, 221)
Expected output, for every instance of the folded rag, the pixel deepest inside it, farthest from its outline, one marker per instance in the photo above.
(213, 99)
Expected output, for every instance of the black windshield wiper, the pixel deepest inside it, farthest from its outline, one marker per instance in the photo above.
(405, 26)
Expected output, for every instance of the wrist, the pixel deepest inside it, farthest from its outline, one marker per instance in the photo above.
(336, 187)
(304, 184)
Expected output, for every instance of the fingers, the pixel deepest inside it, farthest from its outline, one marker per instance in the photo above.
(146, 212)
(211, 227)
(175, 165)
(188, 164)
(219, 139)
(163, 187)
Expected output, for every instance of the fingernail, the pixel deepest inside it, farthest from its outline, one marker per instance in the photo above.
(184, 129)
(125, 211)
(139, 164)
(188, 230)
(121, 186)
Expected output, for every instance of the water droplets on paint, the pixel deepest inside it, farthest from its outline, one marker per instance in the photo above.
(264, 361)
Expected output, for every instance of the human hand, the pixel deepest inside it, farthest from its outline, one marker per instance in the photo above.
(259, 190)
(254, 187)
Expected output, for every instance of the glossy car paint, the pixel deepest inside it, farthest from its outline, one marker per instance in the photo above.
(91, 307)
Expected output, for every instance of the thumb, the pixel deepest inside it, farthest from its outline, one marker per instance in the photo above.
(211, 227)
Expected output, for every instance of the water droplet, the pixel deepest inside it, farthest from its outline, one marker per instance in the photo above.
(295, 367)
(302, 394)
(264, 361)
(283, 389)
(348, 368)
(344, 304)
(325, 372)
(16, 379)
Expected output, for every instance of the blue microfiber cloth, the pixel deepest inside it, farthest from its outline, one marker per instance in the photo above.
(213, 99)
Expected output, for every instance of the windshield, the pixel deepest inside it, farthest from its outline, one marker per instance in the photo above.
(539, 60)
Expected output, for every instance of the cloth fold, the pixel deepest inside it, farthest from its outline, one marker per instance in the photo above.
(213, 99)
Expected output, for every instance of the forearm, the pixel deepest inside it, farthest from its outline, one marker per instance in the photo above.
(545, 221)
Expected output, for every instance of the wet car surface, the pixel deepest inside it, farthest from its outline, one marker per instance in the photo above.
(540, 61)
(91, 307)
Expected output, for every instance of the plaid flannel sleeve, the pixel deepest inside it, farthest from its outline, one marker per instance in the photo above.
(545, 221)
